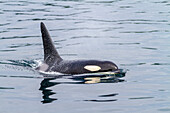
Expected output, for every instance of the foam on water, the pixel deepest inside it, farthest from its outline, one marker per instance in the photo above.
(51, 73)
(39, 63)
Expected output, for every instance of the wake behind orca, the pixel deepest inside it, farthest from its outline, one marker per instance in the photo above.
(54, 63)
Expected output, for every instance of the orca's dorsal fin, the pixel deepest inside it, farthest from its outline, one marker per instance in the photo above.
(50, 52)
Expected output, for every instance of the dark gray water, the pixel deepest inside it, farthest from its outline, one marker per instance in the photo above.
(135, 34)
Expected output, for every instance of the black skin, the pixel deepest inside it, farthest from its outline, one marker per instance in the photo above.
(53, 61)
(77, 67)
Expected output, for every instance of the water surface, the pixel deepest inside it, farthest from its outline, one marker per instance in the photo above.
(133, 34)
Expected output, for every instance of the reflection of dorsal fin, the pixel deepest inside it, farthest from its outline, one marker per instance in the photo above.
(50, 53)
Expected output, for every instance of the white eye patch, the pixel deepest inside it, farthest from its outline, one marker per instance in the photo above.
(92, 67)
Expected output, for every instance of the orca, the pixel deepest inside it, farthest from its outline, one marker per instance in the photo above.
(54, 63)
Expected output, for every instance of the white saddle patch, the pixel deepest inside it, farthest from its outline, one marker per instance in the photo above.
(92, 67)
(43, 67)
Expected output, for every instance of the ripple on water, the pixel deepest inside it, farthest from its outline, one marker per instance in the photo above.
(24, 13)
(164, 109)
(8, 50)
(150, 48)
(124, 43)
(71, 14)
(18, 37)
(15, 28)
(6, 88)
(149, 31)
(136, 98)
(4, 24)
(22, 45)
(97, 100)
(22, 63)
(103, 2)
(135, 64)
(160, 64)
(109, 95)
